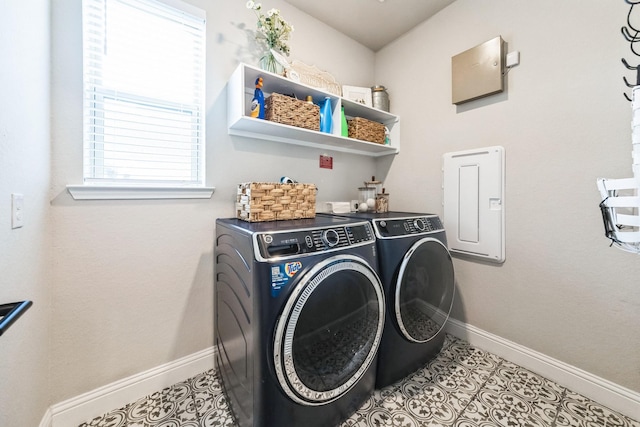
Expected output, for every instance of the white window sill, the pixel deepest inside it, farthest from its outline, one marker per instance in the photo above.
(102, 192)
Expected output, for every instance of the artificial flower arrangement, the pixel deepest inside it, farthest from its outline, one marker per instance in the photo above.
(273, 31)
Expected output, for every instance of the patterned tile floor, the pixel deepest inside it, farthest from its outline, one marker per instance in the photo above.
(463, 387)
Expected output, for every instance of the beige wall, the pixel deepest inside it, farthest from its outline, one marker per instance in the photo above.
(563, 122)
(121, 287)
(25, 262)
(133, 280)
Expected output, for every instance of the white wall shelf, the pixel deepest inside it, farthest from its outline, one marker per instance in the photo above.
(240, 93)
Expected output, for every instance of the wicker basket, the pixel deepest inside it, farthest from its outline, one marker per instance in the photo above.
(294, 112)
(268, 201)
(366, 130)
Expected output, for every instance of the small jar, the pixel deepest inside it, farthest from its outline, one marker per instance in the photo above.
(367, 195)
(380, 98)
(382, 202)
(377, 185)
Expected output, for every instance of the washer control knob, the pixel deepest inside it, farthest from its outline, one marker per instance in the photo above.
(383, 224)
(419, 224)
(330, 237)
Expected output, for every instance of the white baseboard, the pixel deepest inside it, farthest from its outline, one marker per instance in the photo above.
(74, 411)
(598, 389)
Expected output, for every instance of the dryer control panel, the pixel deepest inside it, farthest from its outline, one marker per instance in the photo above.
(397, 227)
(303, 242)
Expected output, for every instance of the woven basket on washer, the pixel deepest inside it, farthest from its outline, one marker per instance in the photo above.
(366, 130)
(294, 112)
(270, 201)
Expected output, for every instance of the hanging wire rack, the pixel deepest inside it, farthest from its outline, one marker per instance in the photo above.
(620, 205)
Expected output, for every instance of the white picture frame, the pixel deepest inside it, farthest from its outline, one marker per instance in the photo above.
(361, 95)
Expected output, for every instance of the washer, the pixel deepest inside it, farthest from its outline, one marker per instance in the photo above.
(299, 317)
(418, 278)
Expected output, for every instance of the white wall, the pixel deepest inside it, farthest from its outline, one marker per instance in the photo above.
(563, 122)
(133, 280)
(25, 261)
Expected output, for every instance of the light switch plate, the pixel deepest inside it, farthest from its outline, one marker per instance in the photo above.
(17, 210)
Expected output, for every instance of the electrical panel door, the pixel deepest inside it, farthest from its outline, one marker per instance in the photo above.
(473, 200)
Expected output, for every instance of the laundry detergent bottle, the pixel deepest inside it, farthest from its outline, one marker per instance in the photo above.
(257, 103)
(326, 121)
(344, 125)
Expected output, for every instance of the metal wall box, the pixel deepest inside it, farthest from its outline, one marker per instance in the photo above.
(478, 72)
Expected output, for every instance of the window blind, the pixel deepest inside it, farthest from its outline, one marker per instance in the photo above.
(144, 67)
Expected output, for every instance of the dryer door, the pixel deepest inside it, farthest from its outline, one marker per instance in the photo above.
(329, 331)
(424, 290)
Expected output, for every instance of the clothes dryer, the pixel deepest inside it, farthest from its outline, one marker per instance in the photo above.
(418, 278)
(299, 318)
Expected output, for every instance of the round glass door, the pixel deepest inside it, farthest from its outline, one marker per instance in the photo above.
(329, 331)
(424, 290)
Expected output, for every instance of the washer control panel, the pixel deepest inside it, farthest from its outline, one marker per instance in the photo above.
(301, 242)
(396, 227)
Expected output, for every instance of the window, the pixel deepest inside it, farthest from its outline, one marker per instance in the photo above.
(144, 78)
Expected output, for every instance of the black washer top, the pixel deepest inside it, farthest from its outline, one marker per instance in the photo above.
(391, 225)
(293, 238)
(295, 224)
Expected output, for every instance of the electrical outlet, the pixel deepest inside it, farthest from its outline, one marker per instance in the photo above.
(326, 162)
(17, 210)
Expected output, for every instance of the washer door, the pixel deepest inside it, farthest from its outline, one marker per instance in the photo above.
(329, 331)
(424, 290)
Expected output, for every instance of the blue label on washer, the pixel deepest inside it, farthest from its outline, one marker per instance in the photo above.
(281, 274)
